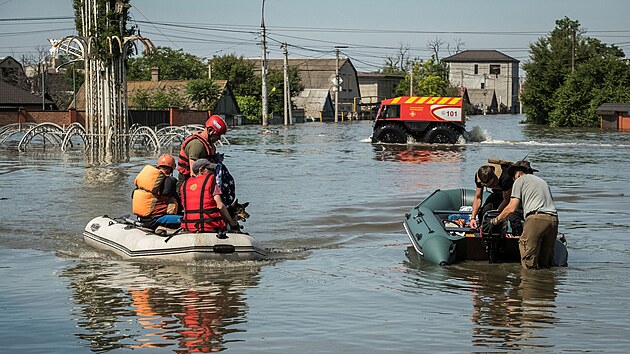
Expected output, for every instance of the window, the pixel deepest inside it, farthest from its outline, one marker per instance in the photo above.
(390, 111)
(495, 70)
(476, 69)
(483, 85)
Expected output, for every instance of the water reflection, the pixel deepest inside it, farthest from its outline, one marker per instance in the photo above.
(418, 154)
(183, 308)
(512, 308)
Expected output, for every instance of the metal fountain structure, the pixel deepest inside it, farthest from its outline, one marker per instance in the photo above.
(103, 46)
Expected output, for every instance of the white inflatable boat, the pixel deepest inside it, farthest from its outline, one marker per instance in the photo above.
(130, 241)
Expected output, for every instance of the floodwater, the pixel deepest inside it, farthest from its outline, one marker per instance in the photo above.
(329, 207)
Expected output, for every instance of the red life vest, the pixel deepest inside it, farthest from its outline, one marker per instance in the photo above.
(183, 162)
(201, 213)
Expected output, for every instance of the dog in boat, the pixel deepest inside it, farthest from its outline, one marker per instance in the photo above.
(237, 211)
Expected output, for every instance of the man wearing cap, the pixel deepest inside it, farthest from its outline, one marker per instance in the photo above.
(541, 216)
(199, 145)
(204, 210)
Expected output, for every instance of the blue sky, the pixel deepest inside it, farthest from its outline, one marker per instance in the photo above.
(372, 30)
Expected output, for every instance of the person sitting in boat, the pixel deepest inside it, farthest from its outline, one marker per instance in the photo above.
(155, 199)
(495, 177)
(199, 145)
(204, 210)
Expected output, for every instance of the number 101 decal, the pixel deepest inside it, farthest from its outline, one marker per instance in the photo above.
(449, 113)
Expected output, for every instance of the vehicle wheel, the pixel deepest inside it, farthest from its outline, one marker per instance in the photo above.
(390, 134)
(441, 134)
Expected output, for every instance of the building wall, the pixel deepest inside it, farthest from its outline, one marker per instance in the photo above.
(349, 87)
(61, 118)
(505, 84)
(377, 89)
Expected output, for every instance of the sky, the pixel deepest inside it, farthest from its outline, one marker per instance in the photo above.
(368, 30)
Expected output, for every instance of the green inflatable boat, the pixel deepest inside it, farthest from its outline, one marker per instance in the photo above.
(438, 233)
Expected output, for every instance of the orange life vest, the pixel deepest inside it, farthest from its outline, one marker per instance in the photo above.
(201, 213)
(183, 161)
(147, 200)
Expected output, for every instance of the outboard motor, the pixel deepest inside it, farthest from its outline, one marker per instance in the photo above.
(493, 236)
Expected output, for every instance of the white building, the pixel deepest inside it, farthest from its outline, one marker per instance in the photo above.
(487, 70)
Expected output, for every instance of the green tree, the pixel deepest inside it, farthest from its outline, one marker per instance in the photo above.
(203, 93)
(250, 106)
(239, 72)
(570, 75)
(275, 82)
(141, 100)
(173, 64)
(430, 78)
(159, 99)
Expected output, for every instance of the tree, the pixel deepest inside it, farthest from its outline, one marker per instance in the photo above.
(398, 63)
(203, 93)
(250, 106)
(430, 78)
(162, 98)
(275, 80)
(569, 76)
(173, 64)
(247, 85)
(239, 72)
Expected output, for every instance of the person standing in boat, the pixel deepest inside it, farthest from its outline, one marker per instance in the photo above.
(204, 210)
(495, 177)
(199, 145)
(541, 216)
(155, 199)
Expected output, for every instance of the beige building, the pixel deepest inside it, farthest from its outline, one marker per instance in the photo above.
(487, 70)
(376, 87)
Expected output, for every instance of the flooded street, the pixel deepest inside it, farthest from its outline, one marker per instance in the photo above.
(328, 206)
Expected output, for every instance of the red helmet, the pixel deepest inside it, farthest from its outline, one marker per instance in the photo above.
(166, 160)
(217, 124)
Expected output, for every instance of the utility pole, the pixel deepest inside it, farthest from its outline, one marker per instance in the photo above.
(337, 82)
(411, 79)
(263, 73)
(286, 84)
(43, 85)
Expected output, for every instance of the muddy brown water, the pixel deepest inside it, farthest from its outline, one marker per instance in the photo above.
(328, 206)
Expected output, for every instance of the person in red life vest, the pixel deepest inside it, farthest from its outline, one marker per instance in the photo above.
(204, 210)
(155, 199)
(199, 145)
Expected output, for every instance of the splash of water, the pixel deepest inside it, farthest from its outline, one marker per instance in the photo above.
(477, 135)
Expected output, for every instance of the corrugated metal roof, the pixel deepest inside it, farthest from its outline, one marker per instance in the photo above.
(313, 101)
(480, 56)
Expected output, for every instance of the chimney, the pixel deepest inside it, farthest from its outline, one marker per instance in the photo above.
(155, 74)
